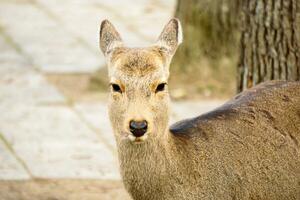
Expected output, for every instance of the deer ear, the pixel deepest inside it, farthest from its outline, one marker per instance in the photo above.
(109, 37)
(171, 36)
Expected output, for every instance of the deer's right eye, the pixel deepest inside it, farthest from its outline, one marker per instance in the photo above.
(116, 88)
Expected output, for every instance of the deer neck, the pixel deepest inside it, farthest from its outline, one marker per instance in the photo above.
(152, 151)
(144, 163)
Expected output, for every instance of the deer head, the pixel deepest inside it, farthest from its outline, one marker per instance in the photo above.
(139, 99)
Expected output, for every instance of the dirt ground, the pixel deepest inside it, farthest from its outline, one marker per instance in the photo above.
(62, 190)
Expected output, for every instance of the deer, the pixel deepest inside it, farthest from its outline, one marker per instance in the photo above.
(247, 148)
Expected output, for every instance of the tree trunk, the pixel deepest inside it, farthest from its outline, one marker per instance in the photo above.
(209, 28)
(270, 42)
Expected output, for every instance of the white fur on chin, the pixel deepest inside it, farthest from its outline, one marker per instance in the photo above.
(134, 139)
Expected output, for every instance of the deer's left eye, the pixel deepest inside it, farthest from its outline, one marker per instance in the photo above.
(160, 87)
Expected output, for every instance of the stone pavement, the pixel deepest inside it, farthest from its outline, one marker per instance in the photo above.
(62, 36)
(42, 135)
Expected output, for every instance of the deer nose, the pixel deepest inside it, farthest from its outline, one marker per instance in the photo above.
(138, 128)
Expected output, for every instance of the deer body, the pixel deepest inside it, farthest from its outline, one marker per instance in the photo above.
(242, 150)
(246, 149)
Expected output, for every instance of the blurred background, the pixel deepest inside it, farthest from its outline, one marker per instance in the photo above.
(56, 142)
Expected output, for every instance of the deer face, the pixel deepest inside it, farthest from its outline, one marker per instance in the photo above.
(139, 99)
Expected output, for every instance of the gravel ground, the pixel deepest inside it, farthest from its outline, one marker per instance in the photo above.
(62, 190)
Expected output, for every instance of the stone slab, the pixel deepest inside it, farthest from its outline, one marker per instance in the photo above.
(10, 168)
(45, 41)
(24, 86)
(20, 83)
(83, 19)
(54, 143)
(9, 57)
(96, 114)
(139, 22)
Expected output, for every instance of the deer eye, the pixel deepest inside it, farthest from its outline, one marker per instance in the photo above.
(116, 88)
(161, 87)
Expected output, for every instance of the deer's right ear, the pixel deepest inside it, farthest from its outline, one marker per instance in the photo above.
(109, 37)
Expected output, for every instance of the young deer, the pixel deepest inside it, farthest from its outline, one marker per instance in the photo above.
(245, 149)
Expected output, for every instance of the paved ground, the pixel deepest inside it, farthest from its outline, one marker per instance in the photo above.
(49, 148)
(62, 36)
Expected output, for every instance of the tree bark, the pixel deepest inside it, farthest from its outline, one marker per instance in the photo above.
(209, 28)
(270, 40)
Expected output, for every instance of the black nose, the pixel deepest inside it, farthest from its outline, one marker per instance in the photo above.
(138, 128)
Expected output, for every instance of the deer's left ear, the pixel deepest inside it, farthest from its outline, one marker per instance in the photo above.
(171, 36)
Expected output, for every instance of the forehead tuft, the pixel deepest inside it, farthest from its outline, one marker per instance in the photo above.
(137, 61)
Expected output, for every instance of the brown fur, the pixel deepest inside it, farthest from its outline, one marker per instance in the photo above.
(246, 149)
